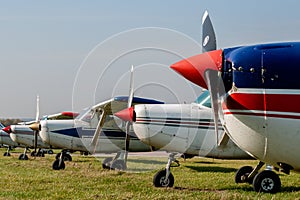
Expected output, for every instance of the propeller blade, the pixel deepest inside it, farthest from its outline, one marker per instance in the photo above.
(209, 41)
(127, 140)
(131, 88)
(37, 115)
(36, 124)
(98, 130)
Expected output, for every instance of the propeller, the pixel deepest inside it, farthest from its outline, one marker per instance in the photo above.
(128, 122)
(129, 106)
(205, 70)
(36, 125)
(98, 129)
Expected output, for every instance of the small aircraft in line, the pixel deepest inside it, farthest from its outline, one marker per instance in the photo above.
(255, 93)
(23, 134)
(6, 141)
(79, 134)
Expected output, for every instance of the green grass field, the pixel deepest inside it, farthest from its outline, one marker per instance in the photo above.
(84, 178)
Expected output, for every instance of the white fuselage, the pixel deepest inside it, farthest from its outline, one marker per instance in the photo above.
(266, 124)
(67, 134)
(22, 134)
(183, 128)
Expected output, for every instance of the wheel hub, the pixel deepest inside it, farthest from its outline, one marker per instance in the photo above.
(164, 182)
(267, 184)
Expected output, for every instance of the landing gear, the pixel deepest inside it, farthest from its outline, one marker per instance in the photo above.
(118, 165)
(115, 163)
(7, 151)
(39, 153)
(58, 164)
(265, 181)
(106, 163)
(241, 176)
(23, 156)
(65, 156)
(50, 151)
(160, 179)
(6, 154)
(165, 178)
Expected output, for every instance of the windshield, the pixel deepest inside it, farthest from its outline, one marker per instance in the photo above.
(204, 99)
(89, 118)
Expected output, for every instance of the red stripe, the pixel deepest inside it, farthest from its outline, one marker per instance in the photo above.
(264, 102)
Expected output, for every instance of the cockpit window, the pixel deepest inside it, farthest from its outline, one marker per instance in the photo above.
(204, 99)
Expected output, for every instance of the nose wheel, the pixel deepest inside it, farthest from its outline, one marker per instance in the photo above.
(164, 178)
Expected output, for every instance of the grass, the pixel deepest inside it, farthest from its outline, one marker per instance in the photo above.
(84, 178)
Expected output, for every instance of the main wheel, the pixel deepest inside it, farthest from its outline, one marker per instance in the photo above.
(6, 154)
(58, 164)
(267, 181)
(50, 151)
(106, 163)
(159, 179)
(118, 165)
(23, 157)
(241, 175)
(32, 154)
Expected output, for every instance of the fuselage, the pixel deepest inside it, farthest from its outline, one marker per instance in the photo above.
(77, 136)
(261, 106)
(183, 128)
(22, 134)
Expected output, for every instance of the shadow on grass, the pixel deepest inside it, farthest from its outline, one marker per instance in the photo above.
(205, 162)
(211, 169)
(245, 189)
(147, 161)
(290, 189)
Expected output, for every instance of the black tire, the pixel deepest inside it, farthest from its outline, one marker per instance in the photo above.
(50, 151)
(267, 181)
(241, 175)
(160, 177)
(106, 163)
(118, 165)
(23, 157)
(58, 165)
(32, 154)
(6, 154)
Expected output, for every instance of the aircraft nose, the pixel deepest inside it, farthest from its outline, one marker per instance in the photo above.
(127, 114)
(194, 68)
(7, 129)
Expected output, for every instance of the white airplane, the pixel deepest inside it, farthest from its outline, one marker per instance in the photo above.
(23, 134)
(180, 128)
(255, 92)
(6, 141)
(79, 134)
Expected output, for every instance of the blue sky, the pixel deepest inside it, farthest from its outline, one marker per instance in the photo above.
(44, 44)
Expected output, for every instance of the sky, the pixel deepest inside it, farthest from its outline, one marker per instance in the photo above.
(74, 53)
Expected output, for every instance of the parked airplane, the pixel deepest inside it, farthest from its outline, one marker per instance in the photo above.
(23, 134)
(259, 89)
(182, 128)
(6, 141)
(78, 134)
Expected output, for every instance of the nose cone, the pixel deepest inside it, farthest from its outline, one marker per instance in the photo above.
(127, 114)
(7, 129)
(194, 68)
(35, 126)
